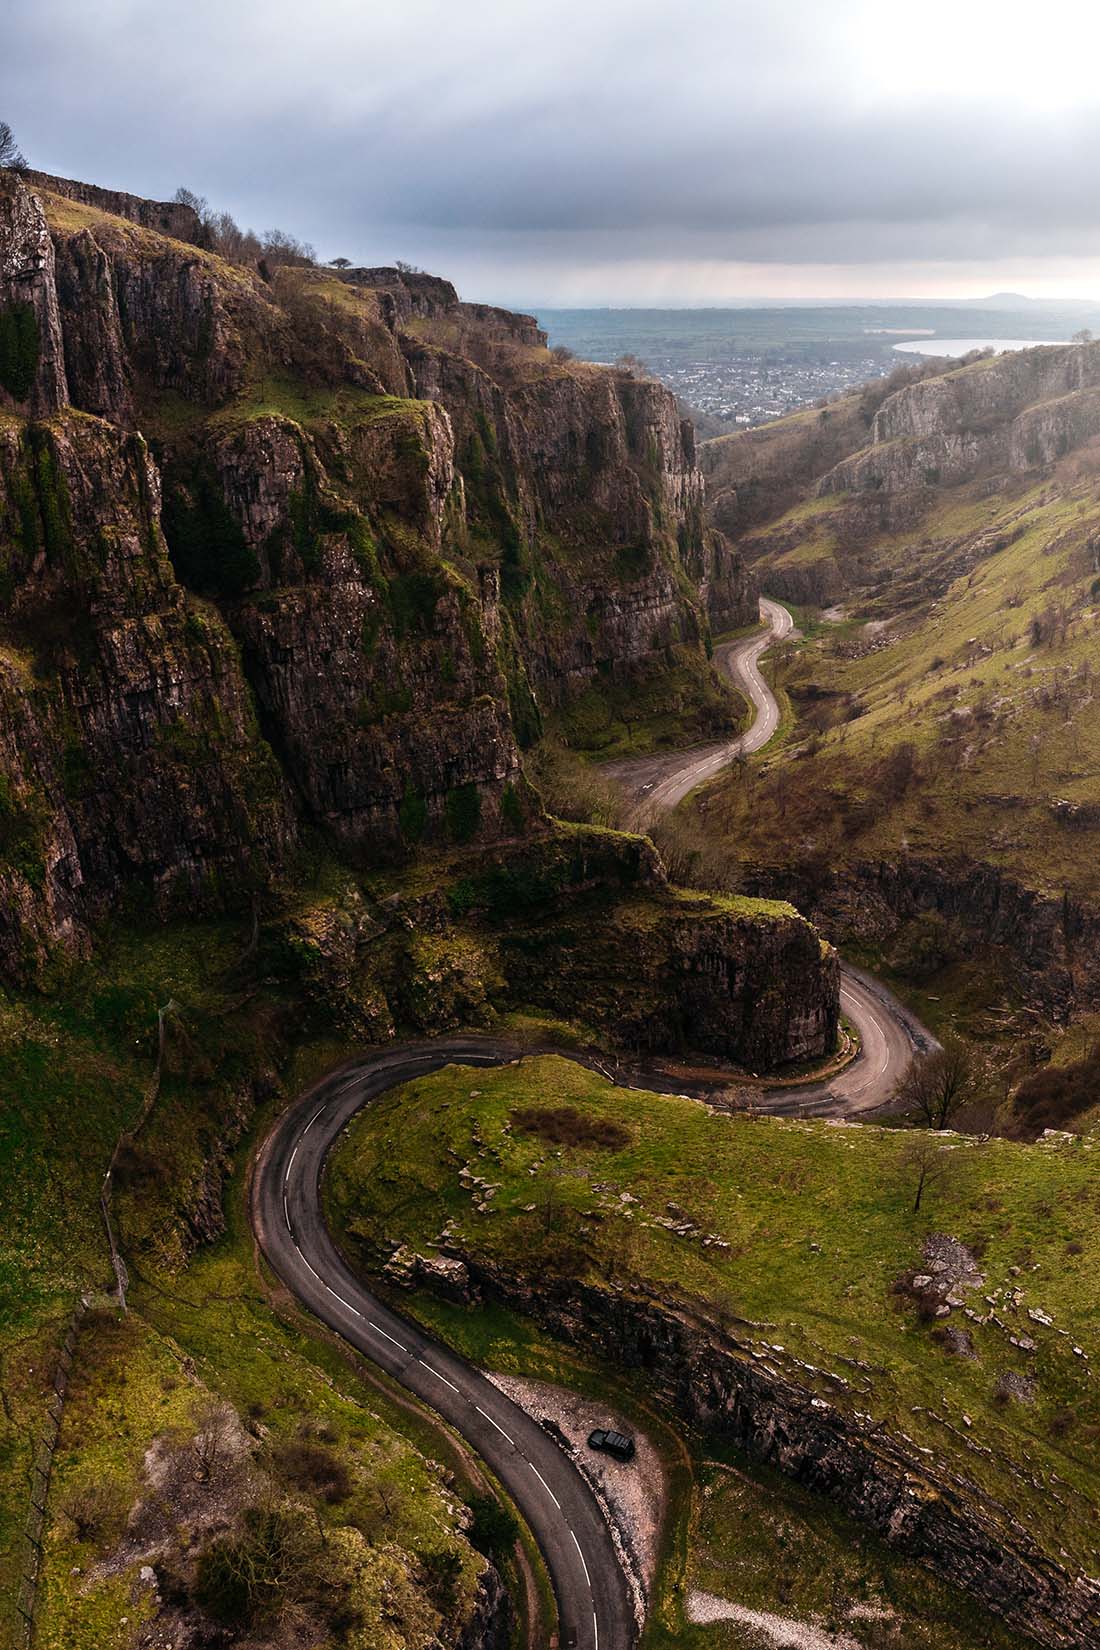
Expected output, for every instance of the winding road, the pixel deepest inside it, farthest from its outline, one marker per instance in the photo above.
(657, 783)
(594, 1603)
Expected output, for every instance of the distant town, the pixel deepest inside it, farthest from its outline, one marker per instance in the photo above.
(751, 389)
(735, 368)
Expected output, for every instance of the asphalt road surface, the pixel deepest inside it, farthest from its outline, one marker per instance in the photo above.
(594, 1604)
(888, 1033)
(593, 1600)
(657, 783)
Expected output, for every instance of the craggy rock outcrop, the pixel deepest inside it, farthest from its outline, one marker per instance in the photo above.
(1053, 941)
(734, 1384)
(589, 476)
(32, 363)
(679, 973)
(583, 922)
(491, 1623)
(1016, 412)
(397, 530)
(167, 217)
(130, 757)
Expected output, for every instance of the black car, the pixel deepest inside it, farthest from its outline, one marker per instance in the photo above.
(612, 1443)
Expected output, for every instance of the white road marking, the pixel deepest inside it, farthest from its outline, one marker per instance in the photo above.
(380, 1331)
(314, 1118)
(343, 1302)
(580, 1555)
(309, 1268)
(496, 1424)
(595, 1631)
(286, 1216)
(438, 1376)
(545, 1485)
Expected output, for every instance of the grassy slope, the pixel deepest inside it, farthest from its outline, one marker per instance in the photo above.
(1002, 726)
(773, 1189)
(74, 1071)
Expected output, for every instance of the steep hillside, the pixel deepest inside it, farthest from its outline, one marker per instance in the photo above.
(754, 475)
(294, 567)
(288, 550)
(947, 760)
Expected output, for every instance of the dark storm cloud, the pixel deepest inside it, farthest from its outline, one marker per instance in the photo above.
(794, 131)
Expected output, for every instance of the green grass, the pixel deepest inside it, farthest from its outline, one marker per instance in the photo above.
(666, 709)
(1003, 728)
(773, 1189)
(762, 1543)
(75, 1069)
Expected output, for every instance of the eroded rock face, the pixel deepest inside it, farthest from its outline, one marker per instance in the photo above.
(167, 217)
(396, 529)
(1052, 941)
(129, 749)
(28, 305)
(722, 1381)
(1015, 413)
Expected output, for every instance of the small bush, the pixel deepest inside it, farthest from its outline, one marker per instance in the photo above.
(511, 809)
(95, 1511)
(412, 816)
(414, 598)
(463, 812)
(494, 1531)
(314, 1467)
(18, 350)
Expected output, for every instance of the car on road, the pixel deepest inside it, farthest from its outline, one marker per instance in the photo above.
(612, 1443)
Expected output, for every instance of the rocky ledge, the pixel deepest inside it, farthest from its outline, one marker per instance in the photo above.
(732, 1382)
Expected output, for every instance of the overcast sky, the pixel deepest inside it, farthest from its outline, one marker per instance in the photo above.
(595, 151)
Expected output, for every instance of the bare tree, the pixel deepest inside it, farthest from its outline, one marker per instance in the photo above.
(339, 263)
(12, 158)
(198, 203)
(936, 1085)
(927, 1162)
(214, 1424)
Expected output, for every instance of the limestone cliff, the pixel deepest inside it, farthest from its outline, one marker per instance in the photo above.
(286, 549)
(1012, 412)
(728, 1379)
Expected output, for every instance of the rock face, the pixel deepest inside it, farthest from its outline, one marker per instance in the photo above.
(722, 1382)
(1016, 412)
(370, 534)
(130, 757)
(167, 217)
(491, 1624)
(1054, 942)
(583, 922)
(32, 366)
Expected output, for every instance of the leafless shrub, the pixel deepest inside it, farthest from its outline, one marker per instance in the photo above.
(926, 1162)
(95, 1511)
(215, 1424)
(12, 158)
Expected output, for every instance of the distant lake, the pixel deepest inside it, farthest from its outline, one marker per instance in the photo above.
(963, 346)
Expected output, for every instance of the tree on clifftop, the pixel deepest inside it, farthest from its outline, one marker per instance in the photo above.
(12, 158)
